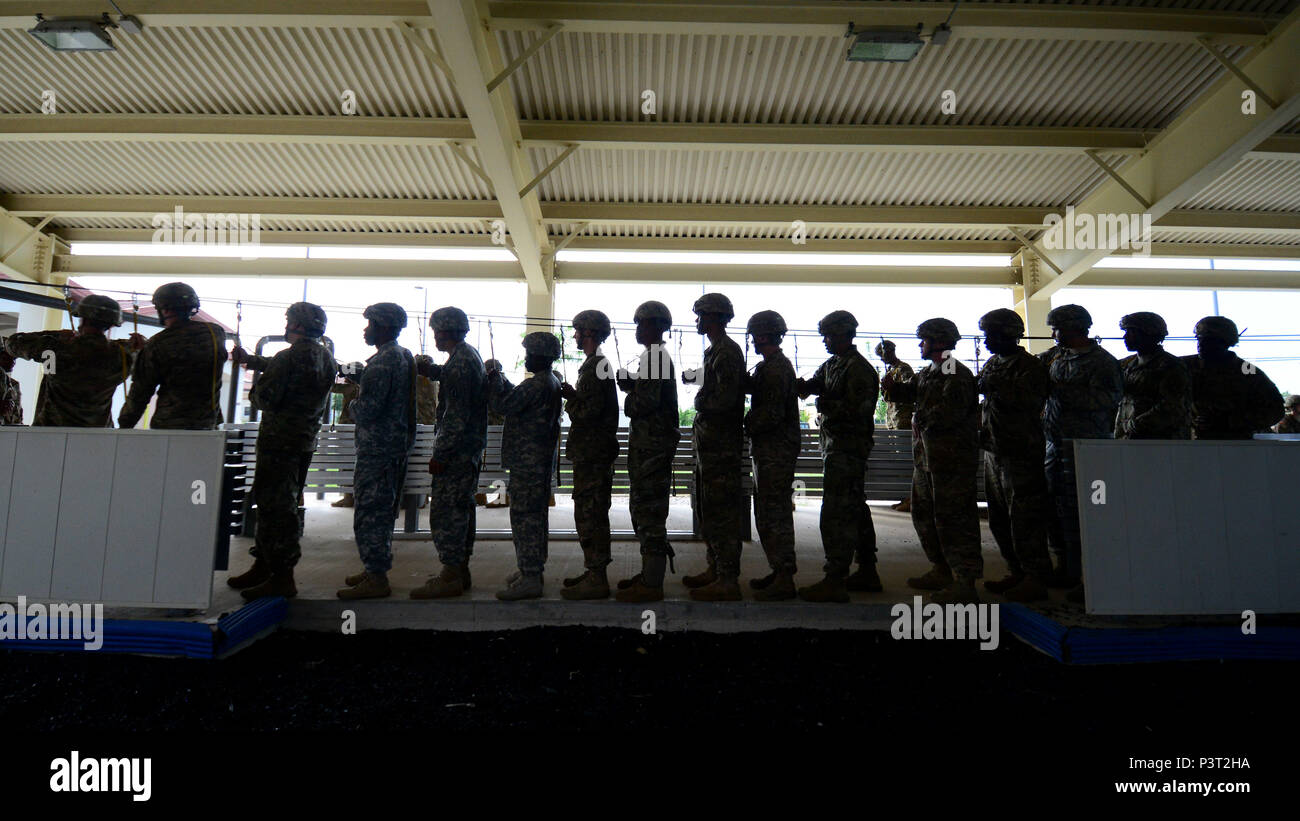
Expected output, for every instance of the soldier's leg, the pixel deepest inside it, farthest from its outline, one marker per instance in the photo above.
(651, 483)
(957, 523)
(602, 499)
(275, 492)
(923, 512)
(451, 518)
(469, 483)
(700, 501)
(1055, 534)
(591, 498)
(999, 502)
(1067, 513)
(530, 492)
(720, 516)
(1029, 509)
(375, 490)
(841, 516)
(767, 501)
(866, 549)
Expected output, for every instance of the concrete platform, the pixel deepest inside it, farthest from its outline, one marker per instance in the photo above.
(329, 554)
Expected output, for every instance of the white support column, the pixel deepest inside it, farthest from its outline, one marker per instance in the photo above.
(1032, 311)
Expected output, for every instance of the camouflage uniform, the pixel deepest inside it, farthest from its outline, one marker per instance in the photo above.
(1015, 388)
(385, 430)
(11, 401)
(898, 415)
(426, 401)
(945, 458)
(1289, 424)
(528, 440)
(718, 441)
(292, 391)
(183, 363)
(350, 391)
(87, 368)
(773, 427)
(847, 389)
(1087, 386)
(592, 447)
(458, 444)
(1157, 402)
(1233, 400)
(651, 408)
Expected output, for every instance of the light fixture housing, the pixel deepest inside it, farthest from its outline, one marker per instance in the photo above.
(73, 35)
(883, 45)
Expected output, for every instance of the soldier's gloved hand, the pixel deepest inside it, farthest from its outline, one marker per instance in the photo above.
(801, 387)
(624, 380)
(238, 355)
(887, 381)
(567, 390)
(136, 341)
(688, 376)
(423, 364)
(492, 366)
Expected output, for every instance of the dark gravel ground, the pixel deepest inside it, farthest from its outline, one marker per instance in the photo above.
(889, 695)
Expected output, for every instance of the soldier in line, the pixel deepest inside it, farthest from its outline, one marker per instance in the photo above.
(847, 389)
(457, 457)
(528, 439)
(718, 442)
(1157, 401)
(1291, 422)
(773, 427)
(292, 392)
(1231, 398)
(182, 362)
(898, 415)
(349, 389)
(11, 394)
(592, 447)
(945, 455)
(651, 408)
(385, 430)
(426, 403)
(1015, 386)
(1086, 387)
(84, 367)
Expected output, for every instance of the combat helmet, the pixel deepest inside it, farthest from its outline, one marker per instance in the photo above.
(715, 304)
(176, 296)
(1218, 327)
(1070, 317)
(837, 323)
(387, 314)
(593, 320)
(450, 319)
(308, 315)
(542, 343)
(939, 329)
(766, 323)
(654, 311)
(884, 345)
(1149, 323)
(100, 310)
(1003, 320)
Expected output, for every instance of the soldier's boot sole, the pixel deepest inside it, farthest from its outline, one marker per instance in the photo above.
(277, 584)
(368, 588)
(1028, 590)
(956, 593)
(719, 590)
(593, 585)
(827, 590)
(864, 580)
(763, 583)
(707, 577)
(781, 589)
(936, 578)
(255, 575)
(1005, 583)
(638, 591)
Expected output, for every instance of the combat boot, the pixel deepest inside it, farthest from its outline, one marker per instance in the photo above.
(961, 591)
(522, 587)
(346, 501)
(593, 584)
(781, 588)
(1006, 583)
(936, 578)
(1029, 589)
(865, 580)
(719, 590)
(829, 589)
(258, 573)
(646, 586)
(1075, 594)
(904, 506)
(278, 583)
(355, 579)
(760, 584)
(452, 580)
(708, 576)
(368, 586)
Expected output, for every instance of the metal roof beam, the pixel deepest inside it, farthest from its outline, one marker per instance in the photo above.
(1206, 140)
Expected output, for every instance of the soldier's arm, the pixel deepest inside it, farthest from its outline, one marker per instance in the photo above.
(728, 386)
(1174, 399)
(647, 394)
(376, 385)
(273, 385)
(144, 381)
(455, 383)
(501, 393)
(816, 384)
(1265, 401)
(903, 389)
(31, 345)
(860, 394)
(588, 399)
(768, 409)
(1106, 387)
(257, 363)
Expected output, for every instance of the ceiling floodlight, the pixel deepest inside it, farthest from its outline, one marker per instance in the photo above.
(73, 35)
(883, 45)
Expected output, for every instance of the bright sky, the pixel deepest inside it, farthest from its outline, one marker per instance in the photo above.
(893, 311)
